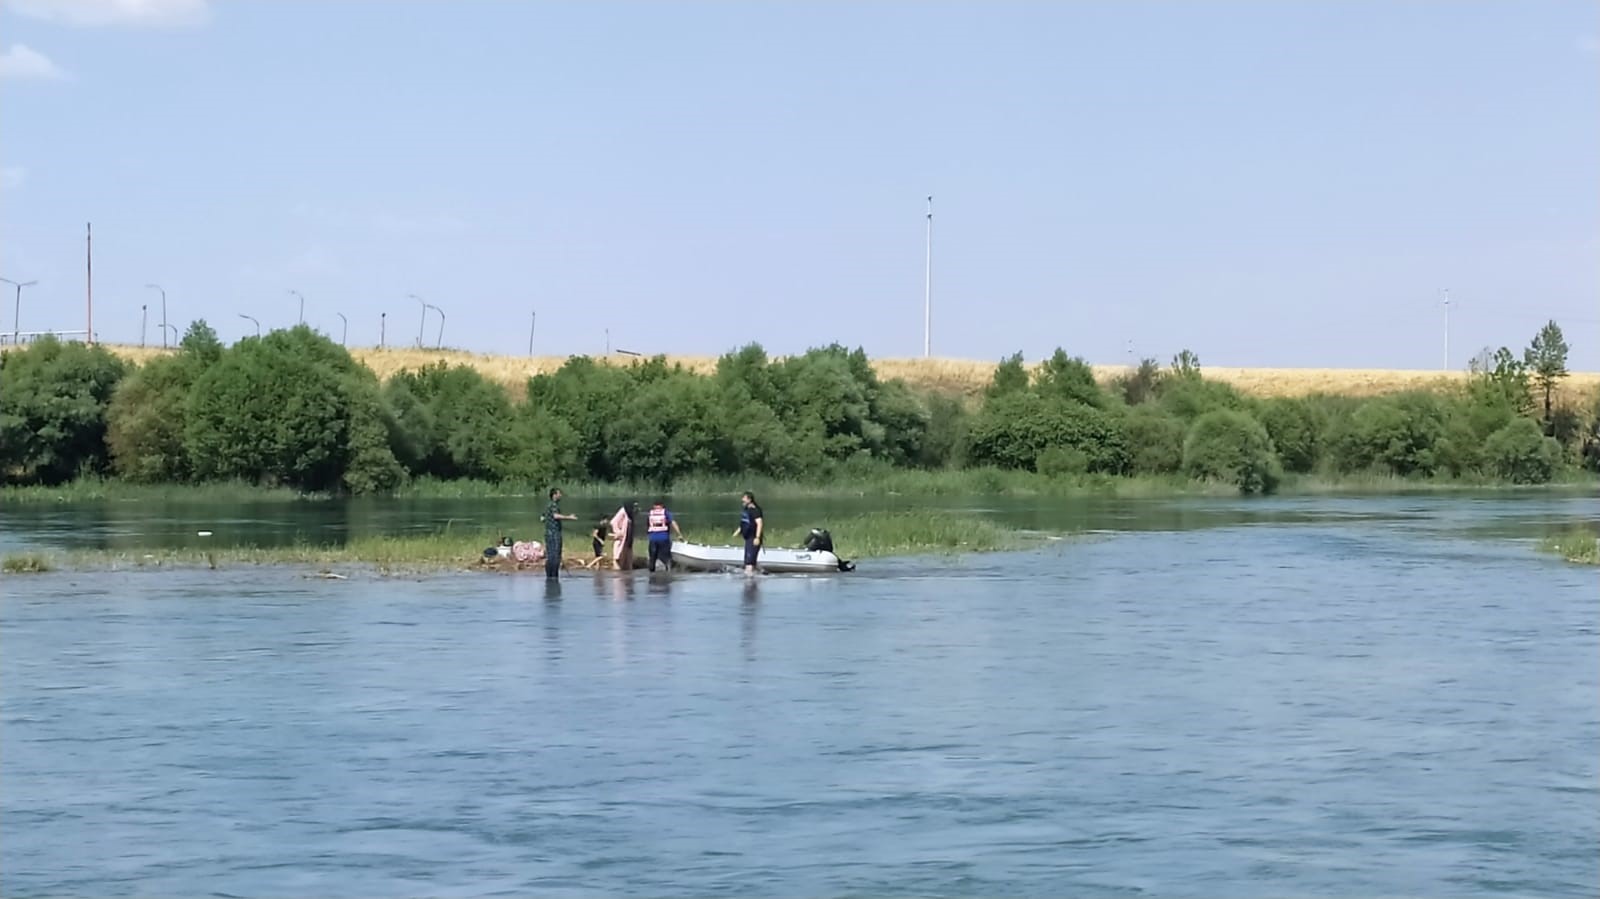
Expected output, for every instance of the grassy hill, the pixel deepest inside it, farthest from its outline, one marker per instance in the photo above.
(956, 377)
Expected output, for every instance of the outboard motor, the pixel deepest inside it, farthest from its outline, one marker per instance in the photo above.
(819, 541)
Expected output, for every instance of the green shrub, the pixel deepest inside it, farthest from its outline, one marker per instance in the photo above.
(1061, 461)
(1012, 431)
(1140, 385)
(1293, 427)
(1010, 376)
(1068, 378)
(1230, 446)
(1189, 396)
(53, 402)
(945, 445)
(1521, 454)
(1398, 434)
(293, 409)
(1155, 440)
(453, 422)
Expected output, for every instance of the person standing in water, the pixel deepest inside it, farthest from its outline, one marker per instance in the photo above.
(622, 533)
(752, 528)
(597, 539)
(661, 526)
(552, 533)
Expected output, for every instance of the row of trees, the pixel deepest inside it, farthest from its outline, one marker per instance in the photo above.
(293, 408)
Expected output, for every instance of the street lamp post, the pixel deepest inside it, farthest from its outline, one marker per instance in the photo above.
(144, 318)
(383, 326)
(532, 323)
(346, 332)
(253, 319)
(16, 314)
(174, 334)
(424, 323)
(163, 312)
(302, 304)
(440, 342)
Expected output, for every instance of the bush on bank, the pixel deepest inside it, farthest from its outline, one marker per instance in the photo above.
(293, 409)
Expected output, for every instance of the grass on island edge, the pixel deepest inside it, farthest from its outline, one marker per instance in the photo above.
(868, 536)
(1578, 546)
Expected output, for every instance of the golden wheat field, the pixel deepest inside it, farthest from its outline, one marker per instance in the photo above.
(955, 377)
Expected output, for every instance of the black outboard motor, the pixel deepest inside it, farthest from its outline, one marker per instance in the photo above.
(820, 541)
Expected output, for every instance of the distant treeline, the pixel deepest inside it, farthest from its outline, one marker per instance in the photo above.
(294, 409)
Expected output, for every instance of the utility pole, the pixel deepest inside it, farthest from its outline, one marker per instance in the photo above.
(927, 290)
(163, 312)
(88, 269)
(1446, 292)
(532, 323)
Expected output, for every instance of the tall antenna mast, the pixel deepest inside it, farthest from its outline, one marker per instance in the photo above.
(927, 290)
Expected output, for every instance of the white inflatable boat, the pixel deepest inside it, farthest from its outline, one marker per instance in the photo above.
(699, 557)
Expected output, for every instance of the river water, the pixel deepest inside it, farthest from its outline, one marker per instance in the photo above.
(1204, 697)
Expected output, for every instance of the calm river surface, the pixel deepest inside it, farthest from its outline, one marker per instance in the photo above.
(1204, 697)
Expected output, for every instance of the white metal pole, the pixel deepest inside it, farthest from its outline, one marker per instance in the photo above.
(1446, 329)
(927, 290)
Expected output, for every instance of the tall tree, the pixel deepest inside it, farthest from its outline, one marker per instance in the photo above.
(1546, 357)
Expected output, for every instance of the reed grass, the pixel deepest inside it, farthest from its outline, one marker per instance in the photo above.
(26, 563)
(882, 534)
(1578, 545)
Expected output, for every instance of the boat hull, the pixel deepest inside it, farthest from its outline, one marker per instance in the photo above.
(699, 557)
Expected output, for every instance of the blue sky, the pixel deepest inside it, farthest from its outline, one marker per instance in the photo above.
(1268, 184)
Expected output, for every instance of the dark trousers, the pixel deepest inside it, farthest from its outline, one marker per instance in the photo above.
(552, 564)
(661, 550)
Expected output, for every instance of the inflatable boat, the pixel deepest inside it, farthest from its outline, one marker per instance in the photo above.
(817, 558)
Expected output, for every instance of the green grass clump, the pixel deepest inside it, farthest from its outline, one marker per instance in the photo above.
(26, 563)
(880, 534)
(1577, 545)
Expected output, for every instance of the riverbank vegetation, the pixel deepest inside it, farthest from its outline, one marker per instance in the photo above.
(869, 536)
(294, 412)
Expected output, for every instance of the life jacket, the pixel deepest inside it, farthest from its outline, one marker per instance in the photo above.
(658, 520)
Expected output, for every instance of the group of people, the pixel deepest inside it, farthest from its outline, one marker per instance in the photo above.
(660, 526)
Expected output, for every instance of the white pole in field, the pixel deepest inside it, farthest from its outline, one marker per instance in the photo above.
(927, 290)
(1446, 292)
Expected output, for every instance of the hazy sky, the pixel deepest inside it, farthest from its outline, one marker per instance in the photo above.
(1269, 184)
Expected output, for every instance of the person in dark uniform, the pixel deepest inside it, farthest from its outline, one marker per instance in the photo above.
(752, 528)
(553, 517)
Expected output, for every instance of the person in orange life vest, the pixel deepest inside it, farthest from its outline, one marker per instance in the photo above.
(661, 526)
